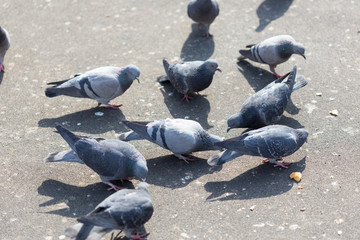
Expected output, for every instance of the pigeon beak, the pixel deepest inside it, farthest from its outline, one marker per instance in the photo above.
(228, 129)
(218, 69)
(301, 54)
(137, 79)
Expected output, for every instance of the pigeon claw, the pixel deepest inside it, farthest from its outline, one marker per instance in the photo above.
(2, 68)
(113, 106)
(114, 187)
(186, 159)
(277, 75)
(137, 236)
(186, 97)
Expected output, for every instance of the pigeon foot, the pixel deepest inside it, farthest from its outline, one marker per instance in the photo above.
(2, 68)
(186, 97)
(139, 237)
(113, 106)
(186, 159)
(114, 187)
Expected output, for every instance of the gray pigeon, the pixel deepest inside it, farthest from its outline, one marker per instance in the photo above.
(180, 136)
(4, 46)
(110, 158)
(101, 84)
(204, 13)
(127, 210)
(267, 105)
(189, 77)
(273, 51)
(272, 142)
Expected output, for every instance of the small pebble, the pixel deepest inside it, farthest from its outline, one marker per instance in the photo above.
(99, 114)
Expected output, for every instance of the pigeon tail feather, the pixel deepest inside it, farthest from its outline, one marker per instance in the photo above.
(64, 156)
(223, 157)
(139, 127)
(300, 82)
(130, 136)
(69, 137)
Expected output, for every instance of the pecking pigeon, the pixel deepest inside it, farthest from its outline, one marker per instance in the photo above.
(273, 51)
(272, 142)
(101, 84)
(204, 13)
(127, 210)
(189, 77)
(4, 46)
(180, 136)
(110, 158)
(267, 105)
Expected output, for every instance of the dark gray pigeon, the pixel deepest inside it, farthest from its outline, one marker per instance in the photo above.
(4, 46)
(112, 159)
(180, 136)
(273, 51)
(272, 142)
(267, 105)
(204, 13)
(127, 210)
(101, 84)
(190, 77)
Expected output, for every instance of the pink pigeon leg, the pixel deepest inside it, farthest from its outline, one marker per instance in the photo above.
(2, 69)
(186, 159)
(114, 187)
(272, 69)
(186, 97)
(113, 106)
(139, 237)
(266, 160)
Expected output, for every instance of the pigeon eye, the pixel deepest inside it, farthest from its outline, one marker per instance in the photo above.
(212, 65)
(233, 124)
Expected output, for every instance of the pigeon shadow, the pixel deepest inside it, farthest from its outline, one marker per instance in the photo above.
(258, 78)
(270, 10)
(196, 47)
(86, 121)
(171, 172)
(196, 109)
(260, 182)
(73, 201)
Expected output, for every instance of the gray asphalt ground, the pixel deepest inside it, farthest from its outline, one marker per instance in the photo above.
(245, 199)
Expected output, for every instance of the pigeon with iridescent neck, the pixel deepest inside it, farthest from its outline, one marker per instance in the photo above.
(190, 77)
(204, 13)
(126, 210)
(180, 136)
(112, 159)
(273, 51)
(272, 142)
(101, 84)
(267, 106)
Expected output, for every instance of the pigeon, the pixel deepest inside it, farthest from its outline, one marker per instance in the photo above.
(204, 13)
(267, 105)
(180, 136)
(4, 46)
(272, 142)
(189, 77)
(273, 51)
(112, 159)
(101, 84)
(127, 210)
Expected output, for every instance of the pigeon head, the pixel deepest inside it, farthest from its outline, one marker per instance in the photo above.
(140, 170)
(298, 48)
(211, 65)
(132, 72)
(302, 135)
(143, 186)
(244, 119)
